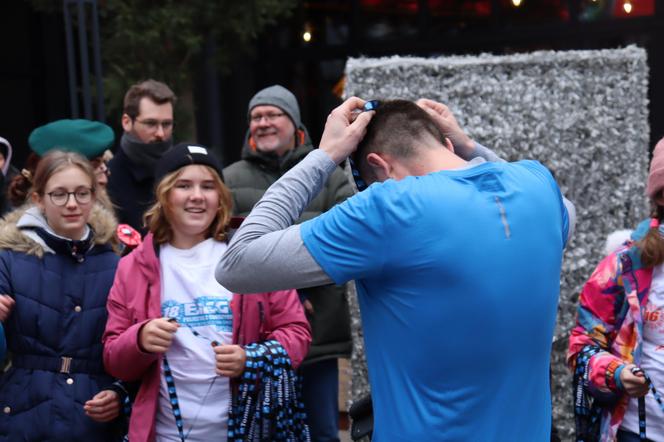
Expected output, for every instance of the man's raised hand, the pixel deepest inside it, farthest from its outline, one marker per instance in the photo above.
(344, 129)
(448, 125)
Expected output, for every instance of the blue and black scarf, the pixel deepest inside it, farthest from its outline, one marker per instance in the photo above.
(267, 405)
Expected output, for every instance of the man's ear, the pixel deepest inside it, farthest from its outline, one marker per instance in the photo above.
(127, 123)
(449, 144)
(380, 166)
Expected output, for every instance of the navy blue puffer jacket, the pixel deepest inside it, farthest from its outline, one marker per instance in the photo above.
(60, 313)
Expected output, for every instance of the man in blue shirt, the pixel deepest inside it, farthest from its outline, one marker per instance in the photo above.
(457, 263)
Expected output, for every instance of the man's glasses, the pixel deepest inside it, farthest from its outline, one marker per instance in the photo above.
(269, 117)
(60, 197)
(153, 125)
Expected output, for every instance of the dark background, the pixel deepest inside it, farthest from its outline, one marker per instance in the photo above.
(33, 58)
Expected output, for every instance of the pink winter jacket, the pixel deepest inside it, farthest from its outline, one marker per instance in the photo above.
(135, 299)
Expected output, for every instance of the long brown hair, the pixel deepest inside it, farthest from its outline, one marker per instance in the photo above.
(156, 218)
(18, 189)
(652, 245)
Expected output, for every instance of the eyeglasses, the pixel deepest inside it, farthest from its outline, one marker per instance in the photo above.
(269, 117)
(153, 125)
(60, 197)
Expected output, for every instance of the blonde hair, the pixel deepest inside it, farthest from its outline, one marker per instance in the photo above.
(156, 218)
(55, 161)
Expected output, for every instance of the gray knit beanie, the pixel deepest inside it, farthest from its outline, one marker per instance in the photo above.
(280, 97)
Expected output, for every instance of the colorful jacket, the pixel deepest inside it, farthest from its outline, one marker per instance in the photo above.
(609, 318)
(135, 299)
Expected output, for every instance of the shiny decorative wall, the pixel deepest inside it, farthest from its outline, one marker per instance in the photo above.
(583, 114)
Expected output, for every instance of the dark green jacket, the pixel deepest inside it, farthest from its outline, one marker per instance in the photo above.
(248, 180)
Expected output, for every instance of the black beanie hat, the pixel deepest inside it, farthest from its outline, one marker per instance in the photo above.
(185, 154)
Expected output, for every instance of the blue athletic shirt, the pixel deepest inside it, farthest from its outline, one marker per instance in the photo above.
(458, 275)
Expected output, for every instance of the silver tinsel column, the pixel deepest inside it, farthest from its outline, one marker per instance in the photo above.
(583, 114)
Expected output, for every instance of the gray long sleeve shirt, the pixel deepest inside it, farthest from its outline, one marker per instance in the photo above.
(267, 252)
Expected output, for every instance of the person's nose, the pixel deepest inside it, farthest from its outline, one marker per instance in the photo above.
(160, 132)
(264, 121)
(71, 202)
(196, 193)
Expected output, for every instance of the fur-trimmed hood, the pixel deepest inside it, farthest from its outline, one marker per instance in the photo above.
(7, 152)
(102, 221)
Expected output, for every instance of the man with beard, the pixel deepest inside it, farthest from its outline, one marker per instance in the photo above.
(147, 122)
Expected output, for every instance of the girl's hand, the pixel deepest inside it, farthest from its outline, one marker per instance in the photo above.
(6, 307)
(230, 360)
(157, 335)
(104, 406)
(634, 383)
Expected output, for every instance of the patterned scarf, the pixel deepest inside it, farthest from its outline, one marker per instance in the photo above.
(268, 405)
(145, 154)
(587, 411)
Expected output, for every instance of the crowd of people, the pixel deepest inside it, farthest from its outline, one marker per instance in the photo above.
(149, 294)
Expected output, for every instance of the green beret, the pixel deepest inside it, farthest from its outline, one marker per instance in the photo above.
(88, 138)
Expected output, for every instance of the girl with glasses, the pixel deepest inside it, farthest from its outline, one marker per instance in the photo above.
(56, 269)
(204, 356)
(91, 139)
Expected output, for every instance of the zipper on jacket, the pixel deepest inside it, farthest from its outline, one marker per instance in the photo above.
(261, 319)
(240, 335)
(240, 341)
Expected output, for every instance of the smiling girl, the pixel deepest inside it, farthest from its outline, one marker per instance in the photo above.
(184, 336)
(56, 269)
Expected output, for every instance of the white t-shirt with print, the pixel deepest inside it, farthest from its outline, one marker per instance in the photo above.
(652, 362)
(190, 293)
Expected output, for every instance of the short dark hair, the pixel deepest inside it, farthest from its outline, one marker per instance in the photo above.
(397, 128)
(156, 91)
